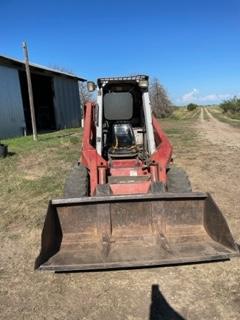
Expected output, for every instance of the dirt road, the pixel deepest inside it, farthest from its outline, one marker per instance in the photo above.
(210, 152)
(218, 132)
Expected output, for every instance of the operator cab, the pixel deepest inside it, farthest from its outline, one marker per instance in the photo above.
(123, 121)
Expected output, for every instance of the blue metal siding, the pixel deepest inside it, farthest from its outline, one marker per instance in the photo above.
(66, 103)
(12, 119)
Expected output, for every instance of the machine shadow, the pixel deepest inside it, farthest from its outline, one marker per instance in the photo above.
(160, 308)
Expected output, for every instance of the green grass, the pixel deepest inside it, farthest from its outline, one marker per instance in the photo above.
(182, 113)
(180, 122)
(26, 144)
(181, 133)
(33, 173)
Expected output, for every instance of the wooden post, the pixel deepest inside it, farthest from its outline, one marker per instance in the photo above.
(30, 91)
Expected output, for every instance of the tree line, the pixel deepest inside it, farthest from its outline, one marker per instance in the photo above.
(231, 106)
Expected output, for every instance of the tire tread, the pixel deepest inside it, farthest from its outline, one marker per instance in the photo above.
(178, 180)
(77, 182)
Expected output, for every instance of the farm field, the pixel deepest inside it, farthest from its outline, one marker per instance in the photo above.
(208, 149)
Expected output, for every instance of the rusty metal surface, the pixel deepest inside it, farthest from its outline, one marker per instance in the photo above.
(133, 231)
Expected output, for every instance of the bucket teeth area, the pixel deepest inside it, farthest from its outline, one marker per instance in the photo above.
(133, 231)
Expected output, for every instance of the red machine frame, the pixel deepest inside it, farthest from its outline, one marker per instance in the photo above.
(99, 169)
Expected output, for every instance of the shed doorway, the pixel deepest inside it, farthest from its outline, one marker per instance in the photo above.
(43, 96)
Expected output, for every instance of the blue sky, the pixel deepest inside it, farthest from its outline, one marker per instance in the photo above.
(193, 47)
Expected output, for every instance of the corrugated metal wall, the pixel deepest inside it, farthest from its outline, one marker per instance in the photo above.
(12, 119)
(66, 103)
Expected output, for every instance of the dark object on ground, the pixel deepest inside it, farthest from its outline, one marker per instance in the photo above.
(3, 150)
(160, 308)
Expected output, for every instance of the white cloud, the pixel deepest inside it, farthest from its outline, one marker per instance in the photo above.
(190, 96)
(214, 97)
(195, 96)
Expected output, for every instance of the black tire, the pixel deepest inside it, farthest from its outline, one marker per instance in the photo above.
(77, 183)
(177, 180)
(3, 151)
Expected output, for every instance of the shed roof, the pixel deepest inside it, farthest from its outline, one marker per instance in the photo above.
(37, 67)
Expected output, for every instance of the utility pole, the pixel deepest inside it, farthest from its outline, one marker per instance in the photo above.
(30, 91)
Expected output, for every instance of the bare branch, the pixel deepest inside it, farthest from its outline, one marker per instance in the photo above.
(161, 104)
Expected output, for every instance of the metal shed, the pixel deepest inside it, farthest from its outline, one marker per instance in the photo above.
(56, 98)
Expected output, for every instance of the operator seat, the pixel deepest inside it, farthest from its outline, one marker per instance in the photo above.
(122, 141)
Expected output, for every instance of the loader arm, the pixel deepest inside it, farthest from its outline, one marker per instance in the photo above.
(89, 156)
(163, 153)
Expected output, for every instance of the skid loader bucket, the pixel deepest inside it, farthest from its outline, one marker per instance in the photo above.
(133, 231)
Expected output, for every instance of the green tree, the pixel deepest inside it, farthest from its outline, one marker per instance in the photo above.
(231, 105)
(192, 106)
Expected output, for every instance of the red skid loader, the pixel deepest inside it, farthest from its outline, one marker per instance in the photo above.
(125, 204)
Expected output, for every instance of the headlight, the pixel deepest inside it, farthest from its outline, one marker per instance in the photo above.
(143, 83)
